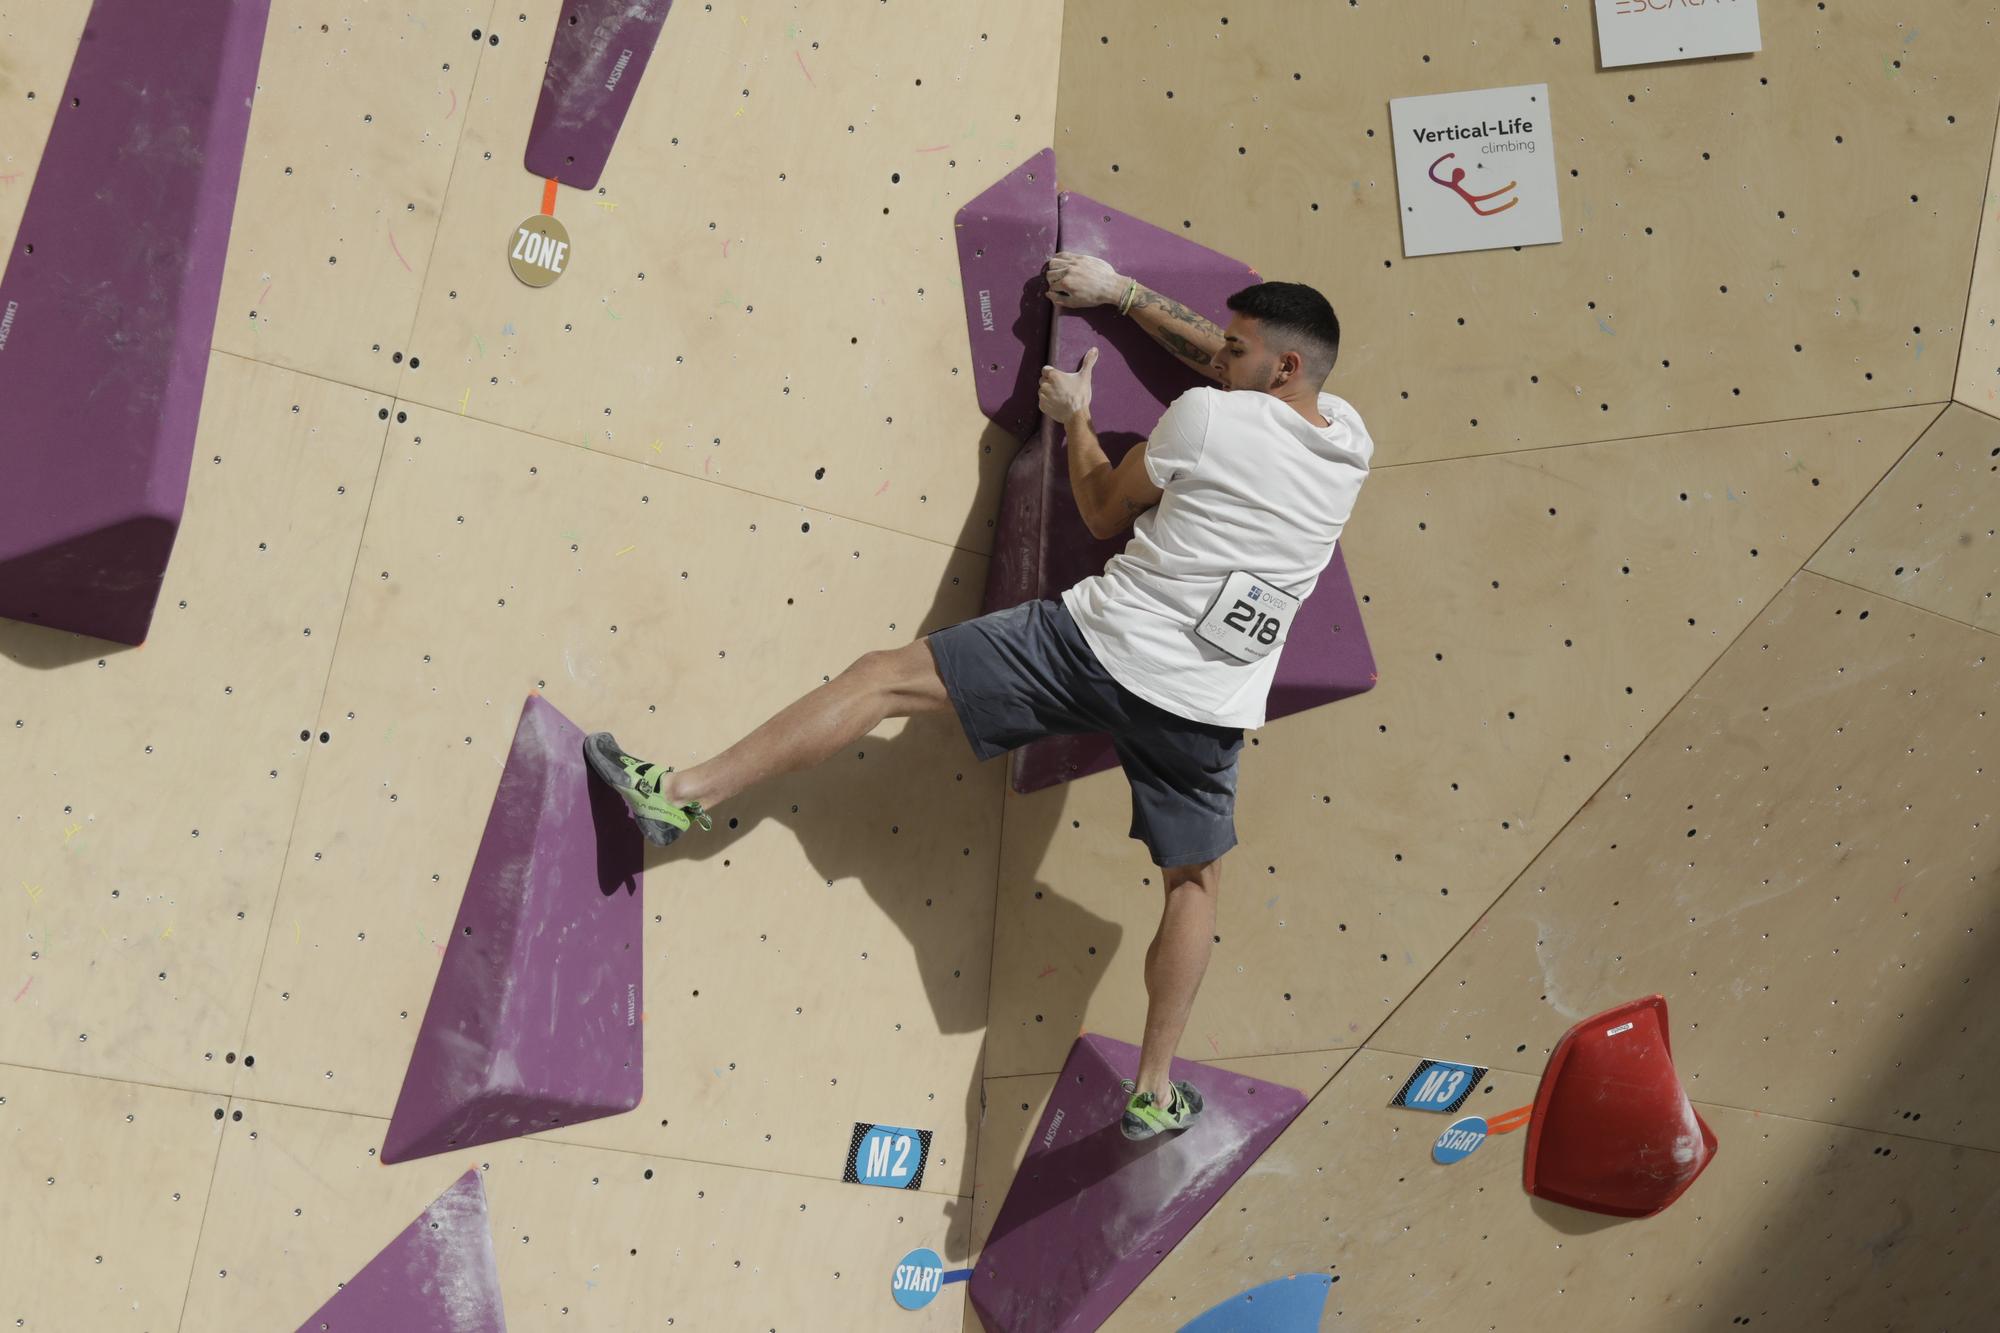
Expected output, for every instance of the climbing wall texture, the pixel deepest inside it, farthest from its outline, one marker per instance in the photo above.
(1677, 561)
(1680, 566)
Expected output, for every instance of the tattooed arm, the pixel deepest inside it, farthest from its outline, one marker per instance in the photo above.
(1077, 280)
(1187, 335)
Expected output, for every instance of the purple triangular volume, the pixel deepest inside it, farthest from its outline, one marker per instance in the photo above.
(1042, 547)
(438, 1276)
(534, 1017)
(107, 307)
(1005, 236)
(1090, 1213)
(599, 50)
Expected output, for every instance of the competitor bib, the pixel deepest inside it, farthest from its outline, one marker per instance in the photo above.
(1248, 618)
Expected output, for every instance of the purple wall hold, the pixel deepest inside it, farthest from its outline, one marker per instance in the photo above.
(107, 307)
(599, 51)
(1041, 546)
(1004, 237)
(534, 1017)
(1090, 1213)
(437, 1276)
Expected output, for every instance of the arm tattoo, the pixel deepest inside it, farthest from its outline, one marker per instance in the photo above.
(1167, 335)
(1148, 297)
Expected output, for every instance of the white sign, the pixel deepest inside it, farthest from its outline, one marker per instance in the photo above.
(1476, 170)
(1645, 32)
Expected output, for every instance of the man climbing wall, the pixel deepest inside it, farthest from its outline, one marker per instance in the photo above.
(1234, 503)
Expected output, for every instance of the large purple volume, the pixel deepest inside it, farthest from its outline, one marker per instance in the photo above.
(437, 1276)
(1090, 1213)
(534, 1018)
(1005, 235)
(1041, 546)
(595, 59)
(108, 304)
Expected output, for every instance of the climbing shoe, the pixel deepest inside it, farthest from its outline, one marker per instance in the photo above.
(640, 784)
(1145, 1117)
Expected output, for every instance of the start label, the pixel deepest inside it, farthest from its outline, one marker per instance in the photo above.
(916, 1281)
(1460, 1141)
(539, 250)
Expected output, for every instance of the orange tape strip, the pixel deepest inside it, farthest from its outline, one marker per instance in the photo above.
(549, 196)
(1508, 1121)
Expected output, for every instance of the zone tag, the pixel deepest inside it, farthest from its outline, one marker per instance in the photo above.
(1248, 618)
(539, 250)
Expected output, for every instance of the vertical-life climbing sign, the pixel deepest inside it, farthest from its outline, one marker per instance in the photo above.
(1475, 170)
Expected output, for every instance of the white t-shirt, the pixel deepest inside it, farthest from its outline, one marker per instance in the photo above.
(1249, 484)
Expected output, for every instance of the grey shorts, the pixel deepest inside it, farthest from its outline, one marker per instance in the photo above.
(1018, 675)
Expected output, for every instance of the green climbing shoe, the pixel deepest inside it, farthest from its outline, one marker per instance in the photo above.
(640, 784)
(1144, 1116)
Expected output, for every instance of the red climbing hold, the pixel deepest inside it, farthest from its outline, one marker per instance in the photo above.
(1613, 1130)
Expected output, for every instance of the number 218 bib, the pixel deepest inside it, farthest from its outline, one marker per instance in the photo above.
(1249, 618)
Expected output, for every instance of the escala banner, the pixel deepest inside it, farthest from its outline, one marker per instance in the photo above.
(1647, 32)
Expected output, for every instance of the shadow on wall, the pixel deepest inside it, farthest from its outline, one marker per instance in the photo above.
(1919, 1218)
(820, 807)
(95, 571)
(41, 649)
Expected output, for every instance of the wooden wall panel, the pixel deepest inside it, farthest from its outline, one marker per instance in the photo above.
(150, 792)
(1795, 1224)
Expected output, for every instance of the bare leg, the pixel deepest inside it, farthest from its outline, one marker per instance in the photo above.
(813, 728)
(1175, 963)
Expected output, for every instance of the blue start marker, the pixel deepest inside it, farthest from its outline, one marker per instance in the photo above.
(887, 1155)
(917, 1279)
(1459, 1141)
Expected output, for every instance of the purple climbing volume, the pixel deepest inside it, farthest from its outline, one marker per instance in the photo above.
(107, 307)
(599, 51)
(1090, 1213)
(534, 1018)
(437, 1276)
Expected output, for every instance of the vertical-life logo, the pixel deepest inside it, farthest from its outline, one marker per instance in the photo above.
(1475, 170)
(1518, 126)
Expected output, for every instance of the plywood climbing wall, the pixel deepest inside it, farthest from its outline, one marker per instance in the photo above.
(1678, 563)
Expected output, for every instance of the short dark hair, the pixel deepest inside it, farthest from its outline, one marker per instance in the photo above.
(1293, 313)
